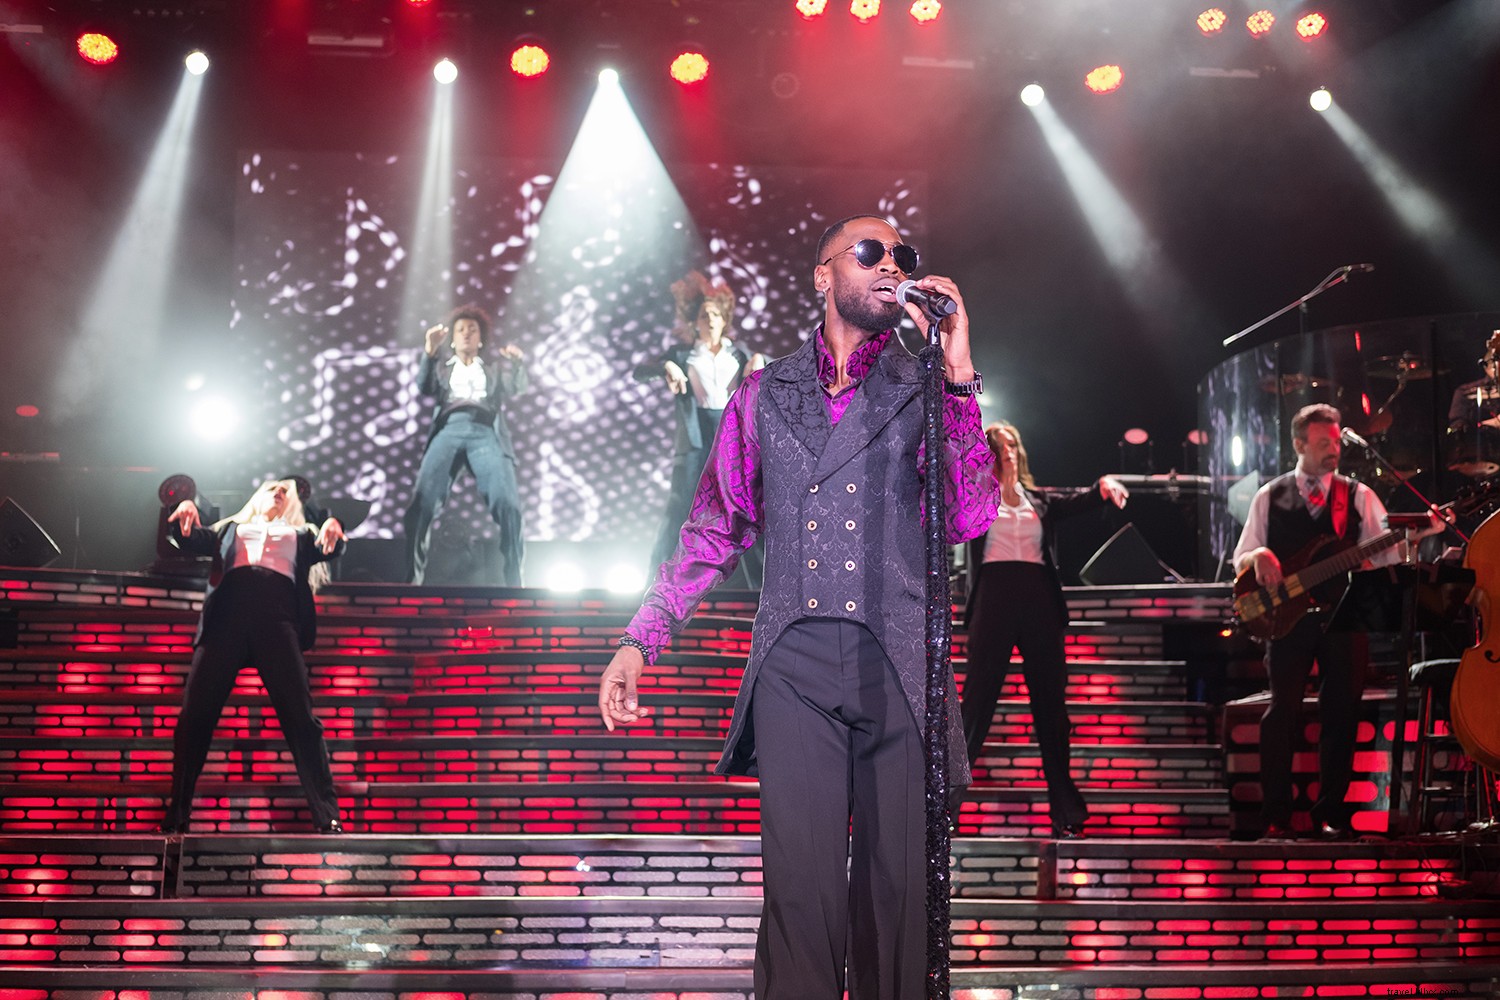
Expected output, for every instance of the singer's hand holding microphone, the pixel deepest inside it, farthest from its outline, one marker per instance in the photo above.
(935, 297)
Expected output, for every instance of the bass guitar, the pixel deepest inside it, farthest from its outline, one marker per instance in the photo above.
(1272, 612)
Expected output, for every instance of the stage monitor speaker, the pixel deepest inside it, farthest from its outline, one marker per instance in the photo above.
(1126, 558)
(22, 540)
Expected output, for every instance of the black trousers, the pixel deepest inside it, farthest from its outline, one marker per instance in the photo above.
(1018, 607)
(843, 826)
(1341, 659)
(254, 623)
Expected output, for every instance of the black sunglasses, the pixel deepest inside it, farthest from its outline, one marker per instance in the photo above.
(869, 252)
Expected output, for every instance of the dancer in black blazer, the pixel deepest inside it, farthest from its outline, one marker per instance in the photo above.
(468, 429)
(1016, 601)
(258, 611)
(701, 372)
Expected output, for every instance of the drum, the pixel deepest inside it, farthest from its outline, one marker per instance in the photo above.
(1473, 451)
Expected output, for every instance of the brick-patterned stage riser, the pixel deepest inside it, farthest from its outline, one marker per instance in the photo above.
(538, 759)
(311, 866)
(634, 932)
(709, 809)
(1370, 789)
(1227, 983)
(107, 716)
(147, 671)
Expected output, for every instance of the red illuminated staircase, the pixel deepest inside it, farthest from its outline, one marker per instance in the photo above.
(503, 844)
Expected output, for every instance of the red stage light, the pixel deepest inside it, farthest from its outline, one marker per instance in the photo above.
(811, 8)
(1104, 79)
(529, 60)
(97, 48)
(864, 10)
(27, 410)
(690, 67)
(925, 11)
(1212, 21)
(1260, 23)
(1310, 26)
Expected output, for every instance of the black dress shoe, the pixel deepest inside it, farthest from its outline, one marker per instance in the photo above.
(333, 827)
(1278, 833)
(1067, 831)
(1334, 832)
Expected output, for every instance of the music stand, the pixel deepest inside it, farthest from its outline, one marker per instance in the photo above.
(1406, 598)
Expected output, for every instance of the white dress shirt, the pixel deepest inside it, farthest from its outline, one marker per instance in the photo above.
(270, 544)
(468, 381)
(712, 374)
(1015, 535)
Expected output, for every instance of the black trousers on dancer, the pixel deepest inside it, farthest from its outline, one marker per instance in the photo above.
(254, 624)
(841, 771)
(1018, 607)
(1341, 659)
(687, 469)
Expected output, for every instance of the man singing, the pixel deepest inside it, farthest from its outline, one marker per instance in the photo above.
(821, 454)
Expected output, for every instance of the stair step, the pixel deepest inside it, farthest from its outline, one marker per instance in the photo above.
(530, 758)
(310, 865)
(633, 932)
(702, 807)
(1468, 981)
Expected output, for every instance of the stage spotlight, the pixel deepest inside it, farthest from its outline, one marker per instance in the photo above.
(811, 8)
(864, 10)
(926, 11)
(445, 71)
(1260, 23)
(609, 77)
(196, 63)
(565, 576)
(1032, 94)
(624, 578)
(1212, 21)
(27, 410)
(418, 3)
(529, 60)
(1104, 79)
(1311, 25)
(1320, 99)
(214, 419)
(97, 48)
(689, 67)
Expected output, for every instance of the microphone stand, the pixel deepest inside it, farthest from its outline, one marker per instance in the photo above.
(938, 635)
(1337, 276)
(1396, 823)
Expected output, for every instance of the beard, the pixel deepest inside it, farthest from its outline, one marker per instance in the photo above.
(867, 314)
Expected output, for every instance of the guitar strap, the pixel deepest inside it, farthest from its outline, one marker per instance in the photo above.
(1338, 505)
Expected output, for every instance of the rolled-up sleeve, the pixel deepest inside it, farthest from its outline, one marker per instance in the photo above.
(725, 520)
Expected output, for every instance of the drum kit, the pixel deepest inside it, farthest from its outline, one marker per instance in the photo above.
(1471, 445)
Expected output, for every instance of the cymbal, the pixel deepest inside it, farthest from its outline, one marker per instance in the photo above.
(1290, 382)
(1405, 365)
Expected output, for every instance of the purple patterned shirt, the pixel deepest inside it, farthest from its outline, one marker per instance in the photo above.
(726, 516)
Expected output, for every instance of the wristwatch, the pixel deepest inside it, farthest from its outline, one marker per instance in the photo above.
(973, 387)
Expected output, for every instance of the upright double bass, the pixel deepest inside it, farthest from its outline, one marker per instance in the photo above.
(1475, 700)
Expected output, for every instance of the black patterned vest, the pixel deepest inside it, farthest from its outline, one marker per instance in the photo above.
(843, 525)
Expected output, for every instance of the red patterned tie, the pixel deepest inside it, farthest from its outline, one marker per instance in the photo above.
(1315, 498)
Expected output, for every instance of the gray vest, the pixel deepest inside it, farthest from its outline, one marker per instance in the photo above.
(843, 526)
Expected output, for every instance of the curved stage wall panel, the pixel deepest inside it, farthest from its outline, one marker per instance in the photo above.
(1394, 381)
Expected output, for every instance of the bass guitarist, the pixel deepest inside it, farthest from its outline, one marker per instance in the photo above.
(1288, 515)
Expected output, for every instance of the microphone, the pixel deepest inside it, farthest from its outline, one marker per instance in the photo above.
(936, 303)
(1349, 437)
